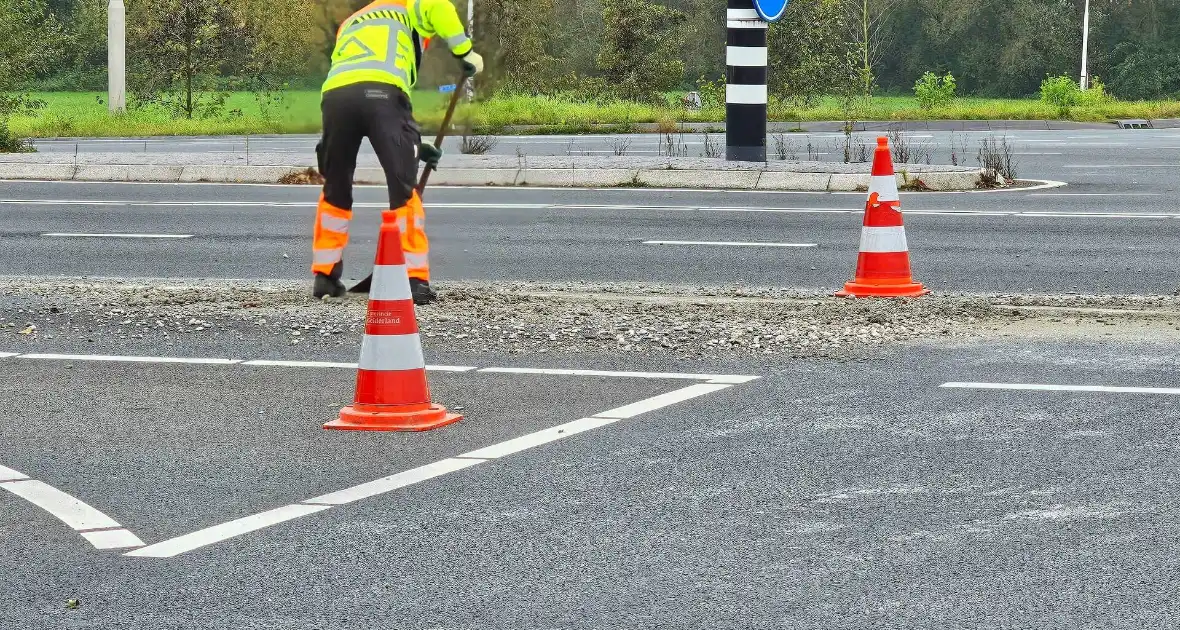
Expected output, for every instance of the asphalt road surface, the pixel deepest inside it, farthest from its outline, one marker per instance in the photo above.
(1114, 239)
(1016, 472)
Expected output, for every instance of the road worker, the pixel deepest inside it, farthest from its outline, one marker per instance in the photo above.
(367, 94)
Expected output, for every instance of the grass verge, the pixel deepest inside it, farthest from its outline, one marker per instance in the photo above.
(83, 114)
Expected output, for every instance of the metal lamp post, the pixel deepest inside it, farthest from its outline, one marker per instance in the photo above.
(117, 56)
(1085, 81)
(471, 34)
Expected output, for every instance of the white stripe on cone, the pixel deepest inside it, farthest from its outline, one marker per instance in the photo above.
(390, 283)
(885, 186)
(390, 353)
(883, 240)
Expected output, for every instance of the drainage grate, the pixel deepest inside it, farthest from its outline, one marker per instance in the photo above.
(1134, 124)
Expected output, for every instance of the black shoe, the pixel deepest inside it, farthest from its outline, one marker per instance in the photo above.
(325, 286)
(329, 285)
(422, 292)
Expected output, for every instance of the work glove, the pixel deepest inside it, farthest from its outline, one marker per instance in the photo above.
(472, 64)
(429, 154)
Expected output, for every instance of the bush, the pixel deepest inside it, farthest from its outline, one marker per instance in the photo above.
(1096, 94)
(11, 142)
(712, 92)
(1062, 92)
(934, 91)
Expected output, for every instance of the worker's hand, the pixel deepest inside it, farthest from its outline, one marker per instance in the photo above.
(429, 154)
(472, 64)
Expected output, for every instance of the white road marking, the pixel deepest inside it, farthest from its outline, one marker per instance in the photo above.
(774, 210)
(219, 533)
(225, 531)
(67, 509)
(112, 235)
(127, 359)
(732, 379)
(112, 539)
(1167, 391)
(712, 378)
(7, 355)
(1131, 194)
(731, 244)
(348, 366)
(659, 402)
(1121, 166)
(393, 482)
(70, 510)
(300, 364)
(8, 474)
(533, 440)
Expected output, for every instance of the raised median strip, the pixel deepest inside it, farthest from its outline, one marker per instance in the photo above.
(489, 170)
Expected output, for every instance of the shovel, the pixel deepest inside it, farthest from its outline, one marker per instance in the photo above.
(365, 285)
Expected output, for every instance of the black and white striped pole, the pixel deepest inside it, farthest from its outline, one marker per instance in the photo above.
(745, 76)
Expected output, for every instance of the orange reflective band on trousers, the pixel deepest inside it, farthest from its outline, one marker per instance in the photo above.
(411, 220)
(331, 236)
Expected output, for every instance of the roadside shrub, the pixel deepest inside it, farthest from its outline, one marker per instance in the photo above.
(1061, 92)
(12, 143)
(712, 92)
(934, 91)
(1096, 94)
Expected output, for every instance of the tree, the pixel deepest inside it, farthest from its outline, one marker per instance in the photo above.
(809, 54)
(641, 51)
(866, 26)
(517, 37)
(31, 40)
(177, 50)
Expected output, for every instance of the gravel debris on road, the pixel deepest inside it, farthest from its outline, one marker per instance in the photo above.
(537, 318)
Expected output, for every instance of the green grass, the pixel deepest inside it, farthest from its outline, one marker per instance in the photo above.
(83, 114)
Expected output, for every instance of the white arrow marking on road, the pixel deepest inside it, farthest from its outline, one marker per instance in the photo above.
(73, 235)
(730, 244)
(1102, 389)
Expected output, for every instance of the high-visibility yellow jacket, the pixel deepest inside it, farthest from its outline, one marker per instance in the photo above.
(383, 42)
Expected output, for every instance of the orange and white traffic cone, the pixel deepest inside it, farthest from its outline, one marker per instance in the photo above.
(883, 267)
(391, 389)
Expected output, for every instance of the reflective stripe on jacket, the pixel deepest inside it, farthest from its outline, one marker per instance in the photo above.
(381, 42)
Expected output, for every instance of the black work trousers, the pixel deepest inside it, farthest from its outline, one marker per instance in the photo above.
(383, 114)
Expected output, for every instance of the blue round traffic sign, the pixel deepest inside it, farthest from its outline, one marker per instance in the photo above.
(771, 10)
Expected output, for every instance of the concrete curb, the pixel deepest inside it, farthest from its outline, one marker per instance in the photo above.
(703, 178)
